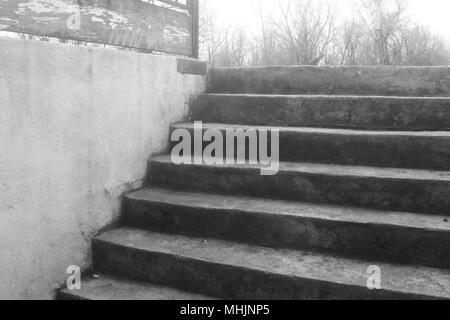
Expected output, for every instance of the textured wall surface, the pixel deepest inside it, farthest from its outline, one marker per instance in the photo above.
(77, 127)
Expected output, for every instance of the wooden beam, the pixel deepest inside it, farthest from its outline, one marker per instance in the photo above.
(195, 13)
(176, 4)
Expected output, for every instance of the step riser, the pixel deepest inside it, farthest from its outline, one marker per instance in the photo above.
(384, 81)
(369, 241)
(70, 297)
(327, 112)
(224, 281)
(107, 288)
(360, 150)
(422, 196)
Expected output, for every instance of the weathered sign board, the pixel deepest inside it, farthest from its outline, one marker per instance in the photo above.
(128, 23)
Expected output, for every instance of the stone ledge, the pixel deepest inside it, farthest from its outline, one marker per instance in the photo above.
(191, 66)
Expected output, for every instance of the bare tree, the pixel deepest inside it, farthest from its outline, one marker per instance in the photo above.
(384, 20)
(352, 38)
(309, 32)
(233, 51)
(212, 36)
(308, 28)
(383, 34)
(420, 47)
(267, 41)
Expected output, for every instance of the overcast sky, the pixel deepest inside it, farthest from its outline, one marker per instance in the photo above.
(433, 13)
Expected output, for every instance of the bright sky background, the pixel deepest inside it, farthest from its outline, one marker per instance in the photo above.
(433, 13)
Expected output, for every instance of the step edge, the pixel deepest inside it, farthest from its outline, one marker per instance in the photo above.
(319, 130)
(323, 96)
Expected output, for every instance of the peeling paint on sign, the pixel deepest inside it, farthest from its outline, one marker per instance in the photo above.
(130, 23)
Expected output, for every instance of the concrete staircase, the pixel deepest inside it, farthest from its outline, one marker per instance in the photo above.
(364, 181)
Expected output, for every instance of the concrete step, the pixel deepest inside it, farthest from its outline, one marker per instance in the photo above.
(350, 147)
(238, 271)
(358, 80)
(398, 237)
(106, 288)
(376, 113)
(378, 188)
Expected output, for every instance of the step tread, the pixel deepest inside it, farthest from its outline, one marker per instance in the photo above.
(338, 170)
(323, 131)
(110, 288)
(295, 209)
(424, 282)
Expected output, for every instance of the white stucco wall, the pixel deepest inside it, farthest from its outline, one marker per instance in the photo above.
(77, 127)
